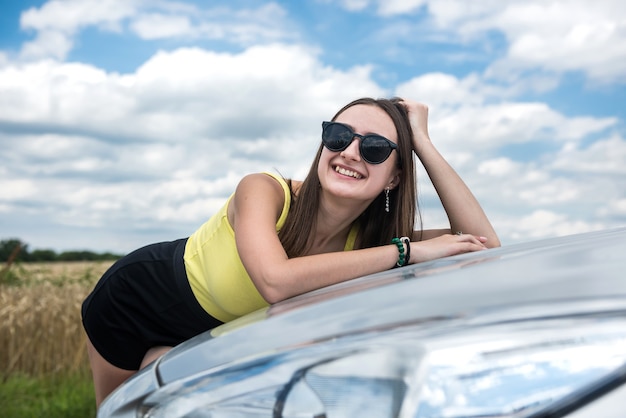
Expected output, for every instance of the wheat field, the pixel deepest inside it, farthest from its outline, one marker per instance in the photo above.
(40, 327)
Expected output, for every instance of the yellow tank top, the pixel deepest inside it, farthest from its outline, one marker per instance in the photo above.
(216, 274)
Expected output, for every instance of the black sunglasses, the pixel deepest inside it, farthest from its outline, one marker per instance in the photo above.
(375, 149)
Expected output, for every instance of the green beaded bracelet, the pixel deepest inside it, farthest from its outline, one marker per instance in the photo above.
(402, 261)
(407, 242)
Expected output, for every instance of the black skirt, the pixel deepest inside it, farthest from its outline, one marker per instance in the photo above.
(142, 301)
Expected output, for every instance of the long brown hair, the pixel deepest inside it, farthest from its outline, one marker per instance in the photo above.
(376, 227)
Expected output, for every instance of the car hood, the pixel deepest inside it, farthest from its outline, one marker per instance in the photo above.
(521, 276)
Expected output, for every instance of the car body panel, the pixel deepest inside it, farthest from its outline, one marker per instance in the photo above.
(549, 278)
(524, 274)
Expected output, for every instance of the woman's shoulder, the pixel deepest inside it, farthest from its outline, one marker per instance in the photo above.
(271, 180)
(259, 182)
(256, 193)
(264, 179)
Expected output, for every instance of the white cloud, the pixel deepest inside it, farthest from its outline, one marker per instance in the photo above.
(566, 36)
(606, 156)
(440, 90)
(156, 26)
(545, 223)
(16, 189)
(549, 192)
(552, 192)
(555, 192)
(48, 43)
(99, 148)
(68, 16)
(267, 23)
(393, 7)
(183, 93)
(554, 37)
(56, 23)
(480, 116)
(498, 167)
(64, 94)
(616, 207)
(354, 5)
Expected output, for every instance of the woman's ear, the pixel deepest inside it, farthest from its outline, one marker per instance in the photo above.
(395, 180)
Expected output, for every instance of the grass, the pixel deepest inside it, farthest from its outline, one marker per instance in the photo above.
(66, 397)
(44, 370)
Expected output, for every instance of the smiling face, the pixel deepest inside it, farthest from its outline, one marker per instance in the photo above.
(345, 174)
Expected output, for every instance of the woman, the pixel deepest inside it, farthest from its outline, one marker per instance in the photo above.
(275, 239)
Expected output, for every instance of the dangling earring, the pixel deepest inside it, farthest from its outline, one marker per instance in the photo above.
(387, 200)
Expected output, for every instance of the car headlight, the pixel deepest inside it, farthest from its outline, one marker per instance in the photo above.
(501, 363)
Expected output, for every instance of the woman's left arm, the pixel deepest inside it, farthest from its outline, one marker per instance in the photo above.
(463, 210)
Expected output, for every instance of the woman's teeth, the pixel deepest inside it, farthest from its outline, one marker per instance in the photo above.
(348, 173)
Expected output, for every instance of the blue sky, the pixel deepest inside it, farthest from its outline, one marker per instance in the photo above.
(125, 122)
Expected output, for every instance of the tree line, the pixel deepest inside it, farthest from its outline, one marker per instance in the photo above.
(14, 249)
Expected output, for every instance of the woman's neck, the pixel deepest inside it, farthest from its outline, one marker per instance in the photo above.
(334, 221)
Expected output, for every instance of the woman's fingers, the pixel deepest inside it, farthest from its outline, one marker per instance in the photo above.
(446, 245)
(480, 241)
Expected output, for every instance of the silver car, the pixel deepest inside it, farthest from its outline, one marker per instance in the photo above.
(527, 330)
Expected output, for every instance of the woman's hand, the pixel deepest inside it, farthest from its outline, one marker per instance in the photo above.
(418, 117)
(444, 246)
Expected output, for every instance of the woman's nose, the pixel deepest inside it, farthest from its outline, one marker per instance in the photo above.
(352, 152)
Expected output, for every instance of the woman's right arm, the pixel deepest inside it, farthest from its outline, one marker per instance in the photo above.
(253, 212)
